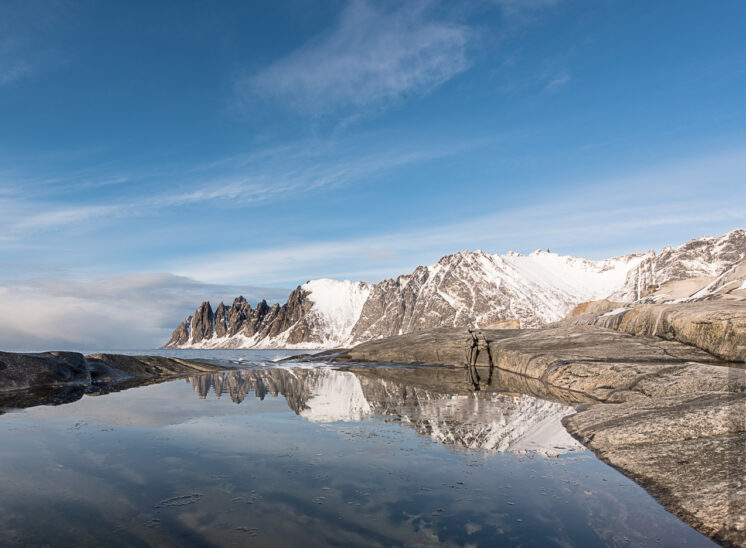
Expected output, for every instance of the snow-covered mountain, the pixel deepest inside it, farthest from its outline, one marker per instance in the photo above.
(706, 257)
(460, 290)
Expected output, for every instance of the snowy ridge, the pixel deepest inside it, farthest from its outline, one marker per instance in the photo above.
(465, 289)
(337, 305)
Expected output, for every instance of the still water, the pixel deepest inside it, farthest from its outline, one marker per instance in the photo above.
(277, 455)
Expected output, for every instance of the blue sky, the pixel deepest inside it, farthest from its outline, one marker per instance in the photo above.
(155, 154)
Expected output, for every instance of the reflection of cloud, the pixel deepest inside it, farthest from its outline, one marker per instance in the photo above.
(370, 57)
(134, 310)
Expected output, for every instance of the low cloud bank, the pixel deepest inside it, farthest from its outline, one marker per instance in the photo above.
(133, 311)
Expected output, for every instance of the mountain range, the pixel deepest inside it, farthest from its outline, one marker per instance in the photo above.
(465, 289)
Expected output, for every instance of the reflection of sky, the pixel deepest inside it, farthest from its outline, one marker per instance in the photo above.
(161, 405)
(116, 466)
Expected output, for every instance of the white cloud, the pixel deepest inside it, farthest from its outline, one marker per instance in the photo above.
(370, 57)
(63, 216)
(560, 226)
(126, 311)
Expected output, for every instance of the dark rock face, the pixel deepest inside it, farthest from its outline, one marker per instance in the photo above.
(221, 321)
(203, 323)
(181, 334)
(291, 322)
(23, 371)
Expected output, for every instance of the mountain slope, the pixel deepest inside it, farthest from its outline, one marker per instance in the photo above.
(467, 289)
(698, 258)
(460, 290)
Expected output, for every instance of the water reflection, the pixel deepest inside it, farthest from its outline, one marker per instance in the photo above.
(157, 466)
(493, 421)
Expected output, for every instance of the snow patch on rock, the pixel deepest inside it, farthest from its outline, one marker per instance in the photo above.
(338, 304)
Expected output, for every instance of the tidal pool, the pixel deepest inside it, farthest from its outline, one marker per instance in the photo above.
(314, 456)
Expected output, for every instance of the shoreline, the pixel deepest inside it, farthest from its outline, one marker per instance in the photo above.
(669, 416)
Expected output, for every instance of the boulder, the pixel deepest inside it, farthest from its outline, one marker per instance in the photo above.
(23, 371)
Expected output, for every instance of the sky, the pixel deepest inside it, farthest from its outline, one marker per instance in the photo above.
(157, 154)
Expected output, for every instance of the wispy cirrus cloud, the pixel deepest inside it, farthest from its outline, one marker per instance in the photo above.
(592, 219)
(370, 58)
(558, 82)
(262, 177)
(24, 31)
(374, 257)
(15, 71)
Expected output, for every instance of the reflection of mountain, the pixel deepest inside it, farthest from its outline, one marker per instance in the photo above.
(440, 408)
(293, 385)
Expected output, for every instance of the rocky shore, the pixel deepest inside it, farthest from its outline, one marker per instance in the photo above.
(60, 377)
(669, 415)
